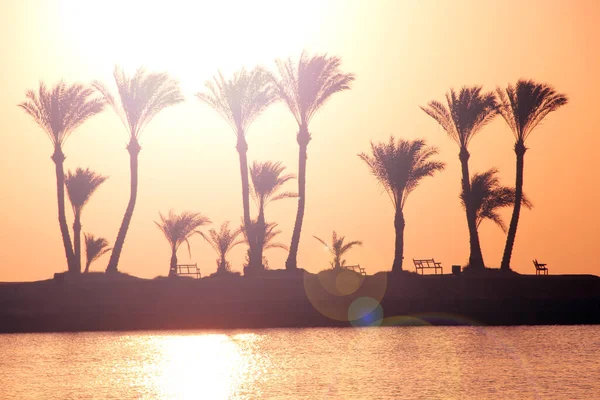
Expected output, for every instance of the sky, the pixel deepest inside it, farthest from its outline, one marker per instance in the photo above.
(403, 53)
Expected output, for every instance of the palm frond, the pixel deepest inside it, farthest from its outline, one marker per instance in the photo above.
(267, 178)
(178, 228)
(224, 240)
(81, 184)
(140, 97)
(95, 247)
(61, 109)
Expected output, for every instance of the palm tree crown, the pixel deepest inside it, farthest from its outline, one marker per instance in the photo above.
(241, 99)
(465, 114)
(267, 179)
(400, 165)
(338, 248)
(60, 110)
(304, 87)
(81, 184)
(488, 196)
(141, 97)
(526, 104)
(94, 248)
(178, 228)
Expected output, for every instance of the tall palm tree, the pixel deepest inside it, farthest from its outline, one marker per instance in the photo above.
(463, 117)
(488, 196)
(523, 107)
(267, 180)
(338, 248)
(178, 228)
(94, 249)
(140, 98)
(59, 111)
(399, 166)
(305, 87)
(81, 184)
(222, 242)
(240, 100)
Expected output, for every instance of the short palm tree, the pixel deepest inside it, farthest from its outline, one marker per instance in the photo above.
(94, 249)
(399, 166)
(81, 184)
(488, 196)
(523, 107)
(222, 242)
(240, 100)
(140, 98)
(59, 111)
(265, 234)
(338, 248)
(305, 87)
(462, 118)
(178, 228)
(267, 180)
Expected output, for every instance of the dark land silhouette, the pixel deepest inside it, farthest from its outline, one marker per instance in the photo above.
(96, 301)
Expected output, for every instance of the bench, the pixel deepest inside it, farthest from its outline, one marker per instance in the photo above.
(189, 269)
(540, 269)
(427, 263)
(356, 268)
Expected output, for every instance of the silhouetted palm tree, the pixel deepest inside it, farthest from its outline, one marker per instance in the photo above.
(305, 87)
(240, 100)
(488, 196)
(222, 242)
(265, 234)
(523, 107)
(463, 117)
(80, 186)
(399, 166)
(59, 111)
(94, 249)
(178, 228)
(338, 248)
(140, 98)
(267, 179)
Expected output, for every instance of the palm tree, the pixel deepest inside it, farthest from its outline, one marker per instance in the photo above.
(59, 111)
(178, 229)
(264, 234)
(267, 179)
(305, 87)
(140, 98)
(338, 248)
(523, 107)
(94, 249)
(240, 100)
(463, 117)
(488, 196)
(399, 166)
(222, 242)
(80, 186)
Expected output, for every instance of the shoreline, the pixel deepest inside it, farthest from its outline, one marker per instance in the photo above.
(285, 300)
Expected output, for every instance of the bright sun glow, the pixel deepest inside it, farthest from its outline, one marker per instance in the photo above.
(189, 39)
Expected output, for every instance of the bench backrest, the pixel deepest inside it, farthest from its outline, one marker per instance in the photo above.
(537, 264)
(425, 263)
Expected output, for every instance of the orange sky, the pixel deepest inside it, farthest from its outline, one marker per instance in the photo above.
(404, 54)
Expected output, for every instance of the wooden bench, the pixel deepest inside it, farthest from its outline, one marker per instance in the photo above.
(540, 269)
(427, 263)
(189, 269)
(356, 268)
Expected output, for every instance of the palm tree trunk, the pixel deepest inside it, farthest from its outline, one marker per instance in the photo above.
(134, 149)
(87, 267)
(520, 150)
(303, 138)
(475, 256)
(261, 231)
(173, 265)
(399, 224)
(77, 240)
(242, 149)
(59, 158)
